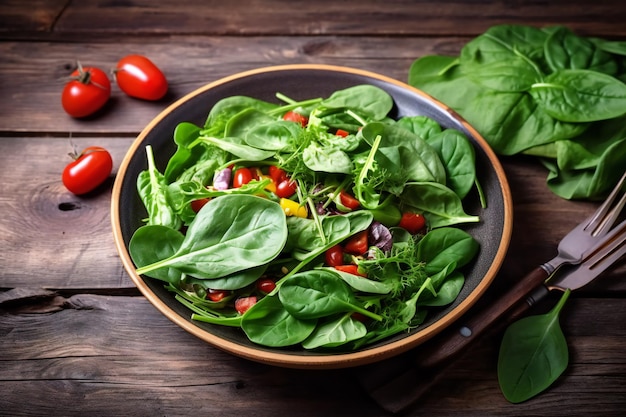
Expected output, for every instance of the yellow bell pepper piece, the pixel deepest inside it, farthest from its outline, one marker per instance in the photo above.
(292, 208)
(271, 187)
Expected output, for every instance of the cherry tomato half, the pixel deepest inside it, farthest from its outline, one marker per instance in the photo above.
(87, 91)
(357, 244)
(217, 295)
(412, 222)
(242, 304)
(88, 170)
(242, 176)
(286, 188)
(334, 256)
(350, 269)
(292, 116)
(139, 77)
(265, 285)
(342, 133)
(348, 201)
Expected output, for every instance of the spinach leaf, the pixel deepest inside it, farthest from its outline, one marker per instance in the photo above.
(336, 332)
(236, 147)
(363, 285)
(269, 324)
(152, 188)
(533, 354)
(581, 96)
(150, 244)
(229, 234)
(565, 50)
(448, 292)
(326, 159)
(228, 107)
(184, 135)
(422, 126)
(244, 121)
(319, 293)
(459, 159)
(373, 101)
(440, 205)
(274, 136)
(441, 247)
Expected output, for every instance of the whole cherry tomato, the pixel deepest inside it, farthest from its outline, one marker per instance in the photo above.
(217, 295)
(357, 244)
(242, 176)
(277, 174)
(334, 256)
(139, 77)
(88, 170)
(292, 116)
(87, 91)
(286, 188)
(412, 222)
(196, 205)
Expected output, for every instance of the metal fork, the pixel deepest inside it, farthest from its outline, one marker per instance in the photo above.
(582, 241)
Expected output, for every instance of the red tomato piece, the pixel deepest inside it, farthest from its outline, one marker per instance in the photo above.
(342, 133)
(265, 285)
(286, 188)
(412, 222)
(277, 174)
(196, 205)
(242, 304)
(217, 295)
(359, 317)
(242, 176)
(292, 116)
(350, 269)
(88, 170)
(139, 77)
(357, 244)
(87, 92)
(348, 201)
(334, 256)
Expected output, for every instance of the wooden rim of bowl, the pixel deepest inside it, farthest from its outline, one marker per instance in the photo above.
(329, 361)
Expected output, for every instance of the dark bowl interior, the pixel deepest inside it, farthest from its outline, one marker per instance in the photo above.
(302, 82)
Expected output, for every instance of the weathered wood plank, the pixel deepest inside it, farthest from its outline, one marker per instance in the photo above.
(323, 17)
(34, 103)
(38, 16)
(48, 236)
(103, 349)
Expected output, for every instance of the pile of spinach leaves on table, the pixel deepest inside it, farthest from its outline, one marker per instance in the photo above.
(545, 92)
(246, 233)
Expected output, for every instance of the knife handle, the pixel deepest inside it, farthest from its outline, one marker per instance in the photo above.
(395, 385)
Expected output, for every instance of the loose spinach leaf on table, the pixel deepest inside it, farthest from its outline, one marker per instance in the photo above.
(533, 354)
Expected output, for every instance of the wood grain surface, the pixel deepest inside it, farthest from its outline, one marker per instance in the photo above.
(76, 336)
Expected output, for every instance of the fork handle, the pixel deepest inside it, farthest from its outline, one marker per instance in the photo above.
(426, 364)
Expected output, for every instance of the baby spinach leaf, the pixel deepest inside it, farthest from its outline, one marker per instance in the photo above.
(184, 135)
(459, 159)
(337, 332)
(440, 247)
(230, 234)
(533, 354)
(228, 107)
(234, 281)
(581, 96)
(326, 159)
(244, 121)
(236, 147)
(152, 189)
(565, 50)
(439, 204)
(363, 284)
(150, 244)
(448, 292)
(319, 293)
(274, 136)
(373, 101)
(422, 126)
(269, 324)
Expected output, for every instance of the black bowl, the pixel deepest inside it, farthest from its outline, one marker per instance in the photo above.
(301, 82)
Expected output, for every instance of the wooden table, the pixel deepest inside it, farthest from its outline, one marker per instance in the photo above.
(77, 338)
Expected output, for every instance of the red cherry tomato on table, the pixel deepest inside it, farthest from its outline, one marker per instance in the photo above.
(412, 222)
(139, 77)
(87, 92)
(292, 116)
(88, 170)
(334, 256)
(242, 176)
